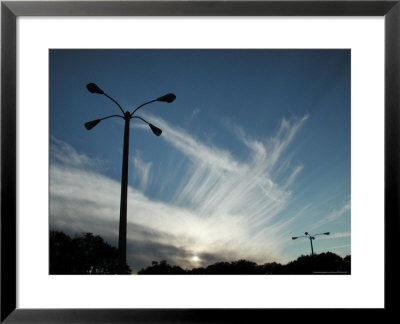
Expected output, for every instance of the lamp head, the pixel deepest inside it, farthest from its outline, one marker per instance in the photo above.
(327, 233)
(93, 88)
(91, 124)
(167, 98)
(294, 237)
(155, 130)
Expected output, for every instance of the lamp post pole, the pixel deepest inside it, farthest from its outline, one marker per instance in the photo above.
(312, 250)
(127, 116)
(124, 199)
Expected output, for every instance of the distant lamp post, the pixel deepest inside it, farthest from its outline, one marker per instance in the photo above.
(310, 237)
(127, 116)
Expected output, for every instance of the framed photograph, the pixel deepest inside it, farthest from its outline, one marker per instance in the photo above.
(197, 160)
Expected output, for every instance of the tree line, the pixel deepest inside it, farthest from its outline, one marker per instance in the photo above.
(90, 254)
(323, 263)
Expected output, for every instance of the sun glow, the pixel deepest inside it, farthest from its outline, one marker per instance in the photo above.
(195, 258)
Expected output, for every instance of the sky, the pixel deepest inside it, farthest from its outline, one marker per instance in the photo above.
(255, 149)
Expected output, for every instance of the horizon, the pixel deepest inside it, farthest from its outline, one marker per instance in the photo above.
(70, 249)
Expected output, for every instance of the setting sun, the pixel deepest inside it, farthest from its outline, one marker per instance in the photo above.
(195, 258)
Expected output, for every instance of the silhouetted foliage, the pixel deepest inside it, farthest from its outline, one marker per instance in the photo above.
(272, 268)
(86, 254)
(318, 264)
(89, 254)
(303, 265)
(235, 267)
(197, 271)
(328, 262)
(162, 268)
(347, 263)
(219, 268)
(324, 263)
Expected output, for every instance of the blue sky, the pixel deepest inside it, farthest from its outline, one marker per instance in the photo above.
(255, 149)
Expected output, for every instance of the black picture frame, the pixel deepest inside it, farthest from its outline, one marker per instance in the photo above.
(10, 10)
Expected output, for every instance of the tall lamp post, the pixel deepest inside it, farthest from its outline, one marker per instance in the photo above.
(127, 116)
(311, 237)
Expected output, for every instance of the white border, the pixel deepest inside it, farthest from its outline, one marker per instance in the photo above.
(365, 37)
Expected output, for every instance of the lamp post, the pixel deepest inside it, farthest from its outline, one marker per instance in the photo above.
(127, 116)
(311, 237)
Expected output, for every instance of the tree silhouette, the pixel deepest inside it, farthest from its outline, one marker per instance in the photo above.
(86, 254)
(347, 264)
(305, 264)
(328, 262)
(162, 268)
(90, 254)
(272, 268)
(235, 267)
(302, 265)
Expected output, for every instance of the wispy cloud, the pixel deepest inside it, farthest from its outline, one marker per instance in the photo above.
(64, 153)
(222, 207)
(340, 213)
(195, 112)
(143, 171)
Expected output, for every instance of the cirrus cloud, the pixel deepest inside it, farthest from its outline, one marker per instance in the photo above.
(222, 207)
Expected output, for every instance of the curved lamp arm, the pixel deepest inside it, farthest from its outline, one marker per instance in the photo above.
(326, 233)
(146, 103)
(168, 98)
(89, 125)
(157, 131)
(113, 100)
(94, 88)
(112, 116)
(296, 237)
